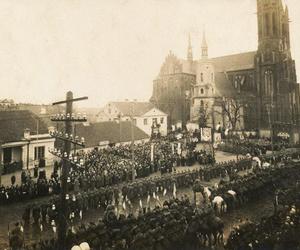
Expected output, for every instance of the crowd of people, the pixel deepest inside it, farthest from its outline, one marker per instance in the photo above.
(111, 233)
(106, 167)
(80, 202)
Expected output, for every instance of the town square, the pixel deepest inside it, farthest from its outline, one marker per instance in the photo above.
(150, 125)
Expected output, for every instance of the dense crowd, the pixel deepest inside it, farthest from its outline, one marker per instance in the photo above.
(106, 167)
(80, 202)
(101, 236)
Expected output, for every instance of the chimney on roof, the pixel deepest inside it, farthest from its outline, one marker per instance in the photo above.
(27, 134)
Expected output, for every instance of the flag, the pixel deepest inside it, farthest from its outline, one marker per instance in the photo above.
(165, 192)
(141, 204)
(174, 191)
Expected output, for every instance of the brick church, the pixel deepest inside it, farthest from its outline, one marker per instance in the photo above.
(264, 81)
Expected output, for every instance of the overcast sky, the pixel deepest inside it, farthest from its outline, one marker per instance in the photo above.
(113, 49)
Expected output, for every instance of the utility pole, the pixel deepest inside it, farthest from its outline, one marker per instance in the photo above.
(68, 119)
(1, 165)
(132, 142)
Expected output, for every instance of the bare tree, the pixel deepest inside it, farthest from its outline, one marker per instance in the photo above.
(232, 110)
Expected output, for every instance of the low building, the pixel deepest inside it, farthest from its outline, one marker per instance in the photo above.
(24, 140)
(144, 115)
(103, 134)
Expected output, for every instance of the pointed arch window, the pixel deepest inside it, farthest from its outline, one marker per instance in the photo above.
(267, 24)
(201, 77)
(274, 23)
(269, 79)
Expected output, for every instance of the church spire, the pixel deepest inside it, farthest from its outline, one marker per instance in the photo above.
(204, 47)
(190, 50)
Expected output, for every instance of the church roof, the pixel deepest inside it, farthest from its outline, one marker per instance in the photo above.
(133, 108)
(234, 62)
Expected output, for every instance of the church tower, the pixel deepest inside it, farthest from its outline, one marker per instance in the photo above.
(204, 47)
(190, 50)
(273, 25)
(275, 69)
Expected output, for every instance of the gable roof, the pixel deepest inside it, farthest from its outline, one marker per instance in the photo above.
(155, 112)
(108, 131)
(234, 62)
(14, 122)
(133, 108)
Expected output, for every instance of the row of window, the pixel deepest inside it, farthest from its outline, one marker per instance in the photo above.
(154, 121)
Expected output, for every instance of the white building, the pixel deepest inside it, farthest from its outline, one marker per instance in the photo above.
(24, 139)
(144, 115)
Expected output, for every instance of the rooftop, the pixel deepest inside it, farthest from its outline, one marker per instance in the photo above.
(133, 108)
(108, 131)
(14, 122)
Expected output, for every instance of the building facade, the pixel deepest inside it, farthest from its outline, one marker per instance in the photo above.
(25, 140)
(263, 82)
(144, 115)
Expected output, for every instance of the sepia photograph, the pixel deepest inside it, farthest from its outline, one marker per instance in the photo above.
(149, 125)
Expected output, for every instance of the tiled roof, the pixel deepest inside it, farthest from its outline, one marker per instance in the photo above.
(108, 131)
(133, 108)
(14, 122)
(230, 62)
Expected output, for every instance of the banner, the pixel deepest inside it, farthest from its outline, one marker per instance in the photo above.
(206, 134)
(217, 138)
(179, 148)
(152, 152)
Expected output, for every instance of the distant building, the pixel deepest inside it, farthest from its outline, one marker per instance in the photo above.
(144, 115)
(264, 80)
(24, 139)
(102, 134)
(7, 104)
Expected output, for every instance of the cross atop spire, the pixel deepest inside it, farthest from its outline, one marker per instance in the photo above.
(204, 47)
(190, 50)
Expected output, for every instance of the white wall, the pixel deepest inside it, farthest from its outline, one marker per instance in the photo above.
(47, 143)
(149, 116)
